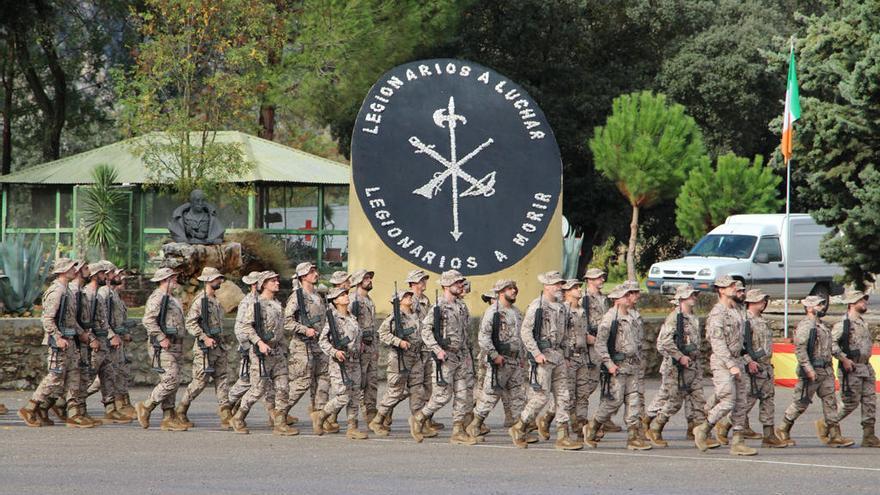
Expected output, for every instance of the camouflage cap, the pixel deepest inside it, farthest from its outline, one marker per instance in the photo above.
(97, 267)
(63, 265)
(756, 296)
(250, 278)
(339, 277)
(209, 273)
(304, 268)
(853, 296)
(621, 290)
(724, 281)
(594, 273)
(550, 278)
(739, 285)
(401, 294)
(322, 289)
(503, 284)
(633, 285)
(813, 301)
(358, 276)
(488, 297)
(108, 265)
(336, 292)
(683, 292)
(571, 284)
(163, 273)
(416, 276)
(450, 277)
(265, 277)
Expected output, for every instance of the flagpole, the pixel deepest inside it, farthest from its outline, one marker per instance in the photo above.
(787, 223)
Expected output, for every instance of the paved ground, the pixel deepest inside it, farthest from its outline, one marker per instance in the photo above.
(127, 459)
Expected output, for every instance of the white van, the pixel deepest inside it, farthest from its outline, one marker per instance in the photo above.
(753, 249)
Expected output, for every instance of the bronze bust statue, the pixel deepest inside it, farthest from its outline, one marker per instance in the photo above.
(196, 222)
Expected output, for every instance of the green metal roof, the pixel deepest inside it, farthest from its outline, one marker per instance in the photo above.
(274, 163)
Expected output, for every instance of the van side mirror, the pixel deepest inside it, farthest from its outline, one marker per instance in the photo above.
(763, 258)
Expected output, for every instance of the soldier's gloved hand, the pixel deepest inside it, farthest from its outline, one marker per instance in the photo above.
(115, 341)
(753, 368)
(499, 360)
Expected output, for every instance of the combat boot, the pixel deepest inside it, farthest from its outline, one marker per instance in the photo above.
(738, 445)
(634, 440)
(225, 414)
(281, 427)
(3, 409)
(784, 431)
(170, 422)
(564, 441)
(60, 410)
(590, 434)
(111, 415)
(85, 414)
(645, 423)
(180, 414)
(435, 425)
(270, 418)
(869, 439)
(690, 429)
(610, 427)
(474, 427)
(43, 412)
(331, 424)
(127, 408)
(76, 419)
(377, 425)
(238, 424)
(388, 421)
(701, 433)
(770, 440)
(822, 431)
(655, 432)
(712, 443)
(318, 416)
(531, 438)
(291, 420)
(120, 407)
(836, 439)
(459, 436)
(543, 423)
(30, 415)
(353, 433)
(144, 409)
(509, 420)
(428, 430)
(517, 433)
(749, 433)
(416, 422)
(722, 430)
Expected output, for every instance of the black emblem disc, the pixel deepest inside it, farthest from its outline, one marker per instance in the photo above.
(455, 166)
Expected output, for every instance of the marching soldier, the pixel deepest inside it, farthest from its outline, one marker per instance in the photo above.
(103, 360)
(451, 372)
(583, 369)
(163, 319)
(86, 342)
(502, 346)
(60, 326)
(681, 375)
(304, 316)
(549, 375)
(340, 340)
(620, 350)
(363, 309)
(594, 306)
(204, 321)
(724, 329)
(813, 348)
(117, 319)
(418, 283)
(406, 381)
(851, 344)
(262, 325)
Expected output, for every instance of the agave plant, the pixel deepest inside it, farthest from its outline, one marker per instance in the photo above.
(101, 215)
(25, 268)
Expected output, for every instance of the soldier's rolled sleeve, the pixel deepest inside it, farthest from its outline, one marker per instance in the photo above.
(836, 334)
(484, 337)
(150, 321)
(385, 335)
(602, 341)
(801, 336)
(324, 341)
(428, 333)
(51, 307)
(525, 331)
(192, 318)
(247, 329)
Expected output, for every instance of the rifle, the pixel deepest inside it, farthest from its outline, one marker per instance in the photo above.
(303, 310)
(438, 336)
(54, 366)
(679, 339)
(397, 330)
(802, 375)
(496, 343)
(85, 362)
(339, 343)
(850, 354)
(156, 364)
(591, 330)
(605, 375)
(264, 336)
(537, 326)
(749, 348)
(205, 323)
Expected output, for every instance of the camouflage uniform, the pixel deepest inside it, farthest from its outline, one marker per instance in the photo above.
(670, 398)
(274, 364)
(509, 377)
(552, 376)
(117, 316)
(366, 318)
(94, 313)
(583, 364)
(170, 359)
(820, 363)
(308, 366)
(762, 340)
(724, 331)
(401, 386)
(243, 381)
(628, 358)
(422, 307)
(216, 357)
(862, 380)
(456, 369)
(344, 395)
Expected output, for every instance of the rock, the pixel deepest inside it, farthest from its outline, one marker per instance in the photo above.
(189, 259)
(229, 296)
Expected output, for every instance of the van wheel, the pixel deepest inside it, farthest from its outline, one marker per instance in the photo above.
(822, 291)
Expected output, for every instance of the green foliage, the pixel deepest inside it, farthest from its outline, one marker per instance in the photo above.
(608, 257)
(261, 252)
(733, 186)
(26, 268)
(836, 147)
(195, 74)
(102, 217)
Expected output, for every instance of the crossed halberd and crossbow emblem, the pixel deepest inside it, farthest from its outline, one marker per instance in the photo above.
(446, 117)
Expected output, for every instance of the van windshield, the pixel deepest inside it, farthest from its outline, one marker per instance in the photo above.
(724, 246)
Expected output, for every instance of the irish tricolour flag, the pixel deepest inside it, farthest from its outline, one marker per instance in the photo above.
(792, 108)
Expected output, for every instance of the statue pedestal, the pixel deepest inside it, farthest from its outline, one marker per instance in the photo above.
(189, 260)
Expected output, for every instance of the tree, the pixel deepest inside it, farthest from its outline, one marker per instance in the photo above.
(195, 74)
(101, 215)
(837, 139)
(711, 194)
(646, 148)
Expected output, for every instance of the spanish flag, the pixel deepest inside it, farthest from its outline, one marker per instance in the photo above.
(785, 365)
(792, 107)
